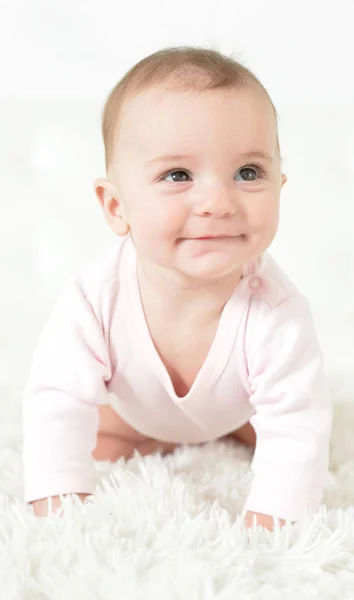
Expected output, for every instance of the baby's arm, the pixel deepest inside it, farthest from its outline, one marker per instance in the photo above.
(293, 416)
(60, 405)
(41, 507)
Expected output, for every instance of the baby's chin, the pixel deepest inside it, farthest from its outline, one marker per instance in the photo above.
(211, 259)
(210, 266)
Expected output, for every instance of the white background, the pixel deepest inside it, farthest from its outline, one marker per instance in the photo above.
(59, 61)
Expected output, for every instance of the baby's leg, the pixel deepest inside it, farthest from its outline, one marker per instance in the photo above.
(111, 447)
(245, 434)
(116, 438)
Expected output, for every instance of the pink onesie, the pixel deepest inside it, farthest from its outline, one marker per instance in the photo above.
(264, 365)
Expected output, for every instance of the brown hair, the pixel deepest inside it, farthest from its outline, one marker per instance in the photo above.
(192, 68)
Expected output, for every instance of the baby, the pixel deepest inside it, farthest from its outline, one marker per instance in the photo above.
(185, 330)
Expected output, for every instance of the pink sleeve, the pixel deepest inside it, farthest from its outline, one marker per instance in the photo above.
(60, 404)
(293, 416)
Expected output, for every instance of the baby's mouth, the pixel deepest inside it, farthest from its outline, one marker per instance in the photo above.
(215, 238)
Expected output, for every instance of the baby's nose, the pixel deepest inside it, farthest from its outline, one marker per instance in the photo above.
(219, 205)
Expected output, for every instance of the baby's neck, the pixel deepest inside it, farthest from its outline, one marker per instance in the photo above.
(181, 297)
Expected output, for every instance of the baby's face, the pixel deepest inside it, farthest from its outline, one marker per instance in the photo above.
(214, 205)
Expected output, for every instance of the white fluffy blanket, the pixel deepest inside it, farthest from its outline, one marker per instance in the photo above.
(168, 528)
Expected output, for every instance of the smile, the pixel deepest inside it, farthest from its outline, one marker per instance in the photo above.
(218, 238)
(215, 237)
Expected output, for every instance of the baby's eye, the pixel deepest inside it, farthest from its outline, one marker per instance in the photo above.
(249, 173)
(180, 176)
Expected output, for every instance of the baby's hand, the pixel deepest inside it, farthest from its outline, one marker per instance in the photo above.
(263, 520)
(40, 507)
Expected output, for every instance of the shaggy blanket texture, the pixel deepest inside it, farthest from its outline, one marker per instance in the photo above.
(170, 528)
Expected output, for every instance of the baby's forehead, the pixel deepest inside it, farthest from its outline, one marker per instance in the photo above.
(157, 99)
(160, 115)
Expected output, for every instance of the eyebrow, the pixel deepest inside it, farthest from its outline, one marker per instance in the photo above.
(173, 157)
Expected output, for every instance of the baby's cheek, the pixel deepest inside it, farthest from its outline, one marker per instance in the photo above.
(262, 231)
(157, 227)
(144, 221)
(153, 234)
(169, 223)
(265, 219)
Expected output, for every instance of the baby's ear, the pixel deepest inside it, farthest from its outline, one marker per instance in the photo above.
(113, 208)
(104, 188)
(284, 179)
